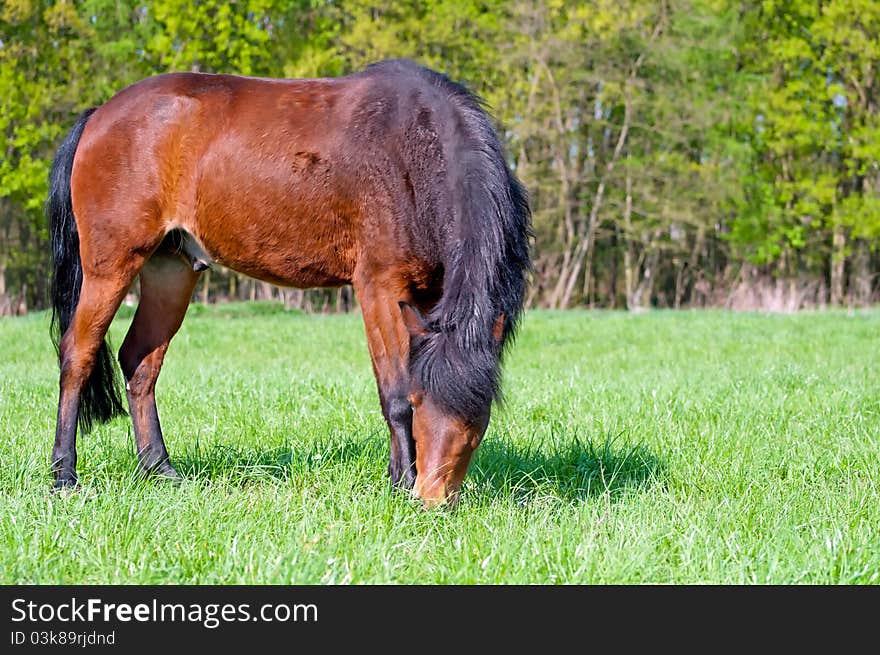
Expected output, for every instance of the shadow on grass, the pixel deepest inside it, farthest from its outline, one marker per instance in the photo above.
(576, 470)
(569, 469)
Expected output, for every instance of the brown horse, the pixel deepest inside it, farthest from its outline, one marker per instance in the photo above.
(391, 179)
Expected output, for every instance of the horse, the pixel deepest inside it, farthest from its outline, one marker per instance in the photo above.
(391, 179)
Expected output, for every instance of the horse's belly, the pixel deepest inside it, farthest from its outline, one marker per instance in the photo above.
(293, 225)
(290, 248)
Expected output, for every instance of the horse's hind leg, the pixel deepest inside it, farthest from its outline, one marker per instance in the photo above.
(99, 299)
(167, 282)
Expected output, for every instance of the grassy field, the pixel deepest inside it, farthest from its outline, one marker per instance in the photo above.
(690, 447)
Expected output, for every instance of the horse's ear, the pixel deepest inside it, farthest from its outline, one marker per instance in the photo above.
(413, 320)
(498, 329)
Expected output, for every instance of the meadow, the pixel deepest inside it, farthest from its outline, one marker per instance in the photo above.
(663, 447)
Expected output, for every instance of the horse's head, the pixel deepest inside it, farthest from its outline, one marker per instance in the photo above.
(444, 446)
(445, 439)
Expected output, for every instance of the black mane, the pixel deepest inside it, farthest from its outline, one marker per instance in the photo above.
(485, 257)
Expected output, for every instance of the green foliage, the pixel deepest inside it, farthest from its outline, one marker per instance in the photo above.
(213, 36)
(43, 82)
(668, 146)
(816, 135)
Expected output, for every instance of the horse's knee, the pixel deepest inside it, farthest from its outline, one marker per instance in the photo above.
(139, 369)
(75, 361)
(401, 464)
(128, 360)
(399, 410)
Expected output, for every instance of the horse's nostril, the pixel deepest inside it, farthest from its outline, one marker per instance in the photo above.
(447, 500)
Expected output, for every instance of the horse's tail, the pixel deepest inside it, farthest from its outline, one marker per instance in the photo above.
(486, 265)
(100, 400)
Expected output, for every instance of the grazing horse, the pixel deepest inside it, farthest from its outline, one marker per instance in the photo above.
(391, 179)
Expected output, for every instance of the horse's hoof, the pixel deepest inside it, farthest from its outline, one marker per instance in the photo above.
(166, 473)
(402, 479)
(161, 470)
(65, 484)
(409, 478)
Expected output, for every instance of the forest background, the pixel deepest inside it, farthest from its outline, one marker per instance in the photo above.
(678, 153)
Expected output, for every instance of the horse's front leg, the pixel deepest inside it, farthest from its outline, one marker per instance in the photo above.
(388, 341)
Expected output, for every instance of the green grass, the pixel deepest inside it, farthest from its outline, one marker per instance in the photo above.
(689, 447)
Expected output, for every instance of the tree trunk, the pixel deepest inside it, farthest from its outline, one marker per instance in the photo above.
(862, 280)
(586, 247)
(688, 267)
(293, 299)
(838, 261)
(232, 283)
(612, 271)
(679, 285)
(21, 306)
(646, 284)
(629, 256)
(5, 302)
(206, 283)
